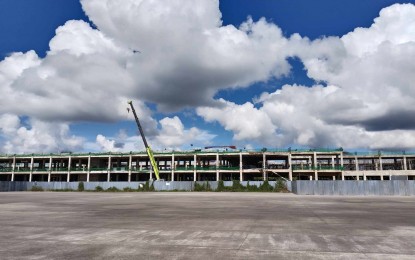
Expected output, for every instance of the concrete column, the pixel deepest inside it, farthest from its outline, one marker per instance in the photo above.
(290, 168)
(342, 176)
(13, 167)
(50, 169)
(341, 159)
(405, 167)
(194, 168)
(130, 165)
(364, 176)
(334, 178)
(88, 169)
(380, 163)
(217, 166)
(109, 168)
(264, 168)
(69, 169)
(381, 176)
(356, 162)
(241, 177)
(311, 178)
(315, 166)
(31, 169)
(332, 162)
(172, 167)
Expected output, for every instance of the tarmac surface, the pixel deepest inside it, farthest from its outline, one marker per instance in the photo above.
(191, 225)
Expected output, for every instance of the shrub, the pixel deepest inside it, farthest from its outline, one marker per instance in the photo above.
(98, 188)
(198, 187)
(250, 187)
(221, 186)
(280, 186)
(128, 189)
(81, 186)
(112, 189)
(208, 188)
(36, 188)
(266, 187)
(237, 186)
(202, 187)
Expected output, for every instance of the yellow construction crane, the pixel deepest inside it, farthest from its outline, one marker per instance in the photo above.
(148, 149)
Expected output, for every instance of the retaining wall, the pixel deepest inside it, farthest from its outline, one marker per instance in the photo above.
(355, 188)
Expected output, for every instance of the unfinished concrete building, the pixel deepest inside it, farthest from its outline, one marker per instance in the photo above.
(265, 164)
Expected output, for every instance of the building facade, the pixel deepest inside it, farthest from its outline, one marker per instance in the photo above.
(313, 164)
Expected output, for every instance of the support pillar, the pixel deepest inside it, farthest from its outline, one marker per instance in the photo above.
(405, 167)
(381, 176)
(264, 169)
(380, 163)
(130, 165)
(364, 177)
(241, 177)
(172, 167)
(31, 169)
(290, 168)
(194, 168)
(50, 169)
(315, 166)
(109, 168)
(88, 169)
(342, 176)
(69, 169)
(217, 166)
(334, 178)
(13, 167)
(356, 163)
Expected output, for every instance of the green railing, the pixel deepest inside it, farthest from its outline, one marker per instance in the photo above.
(228, 168)
(98, 169)
(79, 169)
(40, 169)
(316, 168)
(21, 169)
(197, 151)
(64, 169)
(6, 169)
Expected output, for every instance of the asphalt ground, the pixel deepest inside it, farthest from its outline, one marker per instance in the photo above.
(191, 225)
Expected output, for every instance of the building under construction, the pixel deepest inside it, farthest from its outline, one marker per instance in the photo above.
(265, 164)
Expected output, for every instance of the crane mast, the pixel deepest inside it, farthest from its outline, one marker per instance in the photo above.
(148, 149)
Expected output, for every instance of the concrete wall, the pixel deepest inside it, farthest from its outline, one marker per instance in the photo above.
(159, 186)
(355, 188)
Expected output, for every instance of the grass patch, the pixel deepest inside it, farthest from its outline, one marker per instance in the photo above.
(36, 188)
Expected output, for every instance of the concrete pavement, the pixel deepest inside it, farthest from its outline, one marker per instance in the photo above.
(191, 225)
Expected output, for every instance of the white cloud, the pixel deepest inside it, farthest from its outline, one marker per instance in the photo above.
(369, 100)
(172, 135)
(245, 121)
(187, 55)
(37, 137)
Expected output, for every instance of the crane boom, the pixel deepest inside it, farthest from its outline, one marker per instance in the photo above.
(148, 149)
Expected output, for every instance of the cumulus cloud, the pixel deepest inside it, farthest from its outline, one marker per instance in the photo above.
(368, 99)
(177, 54)
(172, 135)
(35, 136)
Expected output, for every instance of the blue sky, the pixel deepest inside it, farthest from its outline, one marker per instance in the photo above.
(30, 25)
